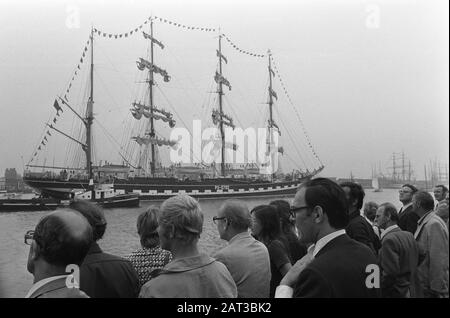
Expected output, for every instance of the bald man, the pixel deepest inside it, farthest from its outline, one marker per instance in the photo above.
(58, 245)
(246, 258)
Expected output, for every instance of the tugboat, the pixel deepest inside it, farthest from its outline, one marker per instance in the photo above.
(149, 180)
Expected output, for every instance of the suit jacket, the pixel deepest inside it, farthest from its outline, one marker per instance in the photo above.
(248, 262)
(431, 278)
(362, 231)
(407, 219)
(104, 275)
(338, 271)
(399, 257)
(57, 289)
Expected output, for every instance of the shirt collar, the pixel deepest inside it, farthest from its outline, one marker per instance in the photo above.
(370, 222)
(43, 282)
(325, 240)
(239, 236)
(388, 229)
(423, 217)
(406, 206)
(189, 263)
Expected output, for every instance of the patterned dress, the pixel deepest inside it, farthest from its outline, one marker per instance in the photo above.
(145, 260)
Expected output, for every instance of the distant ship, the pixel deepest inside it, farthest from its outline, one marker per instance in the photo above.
(150, 179)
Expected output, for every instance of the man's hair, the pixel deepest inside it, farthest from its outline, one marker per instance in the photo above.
(330, 197)
(94, 214)
(413, 188)
(390, 210)
(368, 210)
(443, 187)
(356, 192)
(237, 214)
(183, 213)
(424, 200)
(147, 225)
(267, 216)
(58, 244)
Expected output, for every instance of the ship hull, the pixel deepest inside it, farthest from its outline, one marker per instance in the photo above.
(150, 189)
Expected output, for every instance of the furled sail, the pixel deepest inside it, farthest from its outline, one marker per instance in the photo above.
(149, 37)
(222, 80)
(143, 63)
(154, 140)
(221, 56)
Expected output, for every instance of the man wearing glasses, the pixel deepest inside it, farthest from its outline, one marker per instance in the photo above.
(407, 217)
(60, 239)
(246, 258)
(335, 265)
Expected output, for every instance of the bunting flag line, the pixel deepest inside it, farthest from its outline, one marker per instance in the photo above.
(154, 18)
(237, 48)
(295, 110)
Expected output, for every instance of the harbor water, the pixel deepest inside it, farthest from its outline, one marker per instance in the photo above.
(120, 237)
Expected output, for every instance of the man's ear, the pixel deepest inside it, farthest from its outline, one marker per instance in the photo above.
(319, 214)
(35, 250)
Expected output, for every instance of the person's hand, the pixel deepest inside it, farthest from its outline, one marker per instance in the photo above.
(292, 275)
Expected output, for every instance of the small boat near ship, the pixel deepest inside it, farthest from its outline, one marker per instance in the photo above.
(149, 179)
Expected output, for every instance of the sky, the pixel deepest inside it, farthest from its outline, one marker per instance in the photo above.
(367, 78)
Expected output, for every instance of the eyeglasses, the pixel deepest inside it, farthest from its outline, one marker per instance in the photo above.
(28, 237)
(403, 191)
(295, 209)
(216, 218)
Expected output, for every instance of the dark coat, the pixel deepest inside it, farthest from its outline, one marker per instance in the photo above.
(104, 275)
(360, 230)
(57, 289)
(399, 258)
(338, 271)
(407, 219)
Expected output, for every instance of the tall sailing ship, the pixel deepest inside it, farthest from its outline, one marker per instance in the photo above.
(149, 177)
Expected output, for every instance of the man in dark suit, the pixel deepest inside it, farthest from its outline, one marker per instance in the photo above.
(59, 243)
(407, 217)
(358, 228)
(336, 265)
(104, 275)
(398, 256)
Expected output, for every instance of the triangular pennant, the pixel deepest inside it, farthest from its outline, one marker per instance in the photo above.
(110, 35)
(81, 60)
(120, 35)
(104, 35)
(39, 148)
(131, 32)
(115, 36)
(126, 35)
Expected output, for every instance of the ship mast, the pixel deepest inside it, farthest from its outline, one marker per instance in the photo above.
(271, 123)
(90, 113)
(150, 111)
(150, 82)
(218, 116)
(222, 133)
